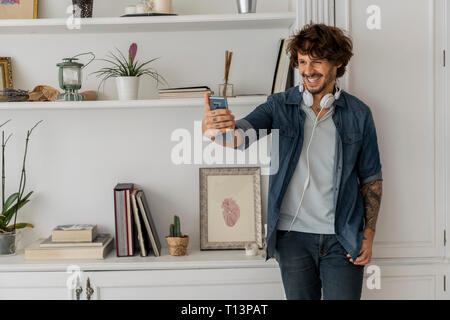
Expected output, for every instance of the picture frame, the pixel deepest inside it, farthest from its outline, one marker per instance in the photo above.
(6, 80)
(18, 9)
(230, 208)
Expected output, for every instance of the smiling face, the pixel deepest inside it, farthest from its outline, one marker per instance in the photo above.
(318, 74)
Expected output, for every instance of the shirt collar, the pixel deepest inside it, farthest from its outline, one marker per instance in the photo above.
(312, 115)
(295, 98)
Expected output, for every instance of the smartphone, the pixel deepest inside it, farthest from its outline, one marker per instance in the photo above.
(221, 103)
(218, 103)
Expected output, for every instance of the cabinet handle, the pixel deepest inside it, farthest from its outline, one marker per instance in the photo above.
(89, 290)
(78, 291)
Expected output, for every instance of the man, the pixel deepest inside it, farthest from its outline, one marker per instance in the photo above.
(325, 197)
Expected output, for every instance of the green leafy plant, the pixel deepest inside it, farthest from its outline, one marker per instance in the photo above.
(12, 204)
(175, 229)
(120, 66)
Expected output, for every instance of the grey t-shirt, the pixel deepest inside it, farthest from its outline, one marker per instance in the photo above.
(316, 214)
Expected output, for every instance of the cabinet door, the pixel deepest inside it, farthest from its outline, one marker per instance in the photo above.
(34, 286)
(405, 282)
(395, 70)
(254, 283)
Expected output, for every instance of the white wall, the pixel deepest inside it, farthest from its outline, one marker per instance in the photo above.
(394, 70)
(76, 157)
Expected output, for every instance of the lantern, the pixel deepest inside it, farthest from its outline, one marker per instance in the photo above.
(70, 78)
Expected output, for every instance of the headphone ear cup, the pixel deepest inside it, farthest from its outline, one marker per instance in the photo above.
(308, 98)
(327, 101)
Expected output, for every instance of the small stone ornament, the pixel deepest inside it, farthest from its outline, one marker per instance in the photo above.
(251, 249)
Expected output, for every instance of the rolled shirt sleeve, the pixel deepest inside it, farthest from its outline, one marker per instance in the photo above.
(368, 165)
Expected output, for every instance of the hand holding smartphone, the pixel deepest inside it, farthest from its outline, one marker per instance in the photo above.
(217, 116)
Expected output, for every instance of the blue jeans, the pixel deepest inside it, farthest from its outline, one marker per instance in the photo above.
(310, 263)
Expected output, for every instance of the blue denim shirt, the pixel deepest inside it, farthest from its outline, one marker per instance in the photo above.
(357, 159)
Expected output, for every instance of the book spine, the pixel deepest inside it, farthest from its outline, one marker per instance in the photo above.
(138, 225)
(152, 227)
(123, 220)
(121, 236)
(115, 226)
(127, 225)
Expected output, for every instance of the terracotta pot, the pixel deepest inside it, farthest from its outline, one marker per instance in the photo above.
(177, 245)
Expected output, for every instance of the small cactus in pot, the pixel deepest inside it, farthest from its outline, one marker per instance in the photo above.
(176, 241)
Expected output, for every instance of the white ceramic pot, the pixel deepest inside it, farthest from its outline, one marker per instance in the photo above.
(127, 88)
(162, 6)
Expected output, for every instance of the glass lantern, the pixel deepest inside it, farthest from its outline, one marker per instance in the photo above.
(70, 80)
(70, 77)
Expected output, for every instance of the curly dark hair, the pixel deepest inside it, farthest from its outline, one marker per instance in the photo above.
(321, 42)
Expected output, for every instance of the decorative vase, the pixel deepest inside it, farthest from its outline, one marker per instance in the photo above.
(86, 8)
(162, 6)
(246, 6)
(177, 245)
(127, 88)
(7, 244)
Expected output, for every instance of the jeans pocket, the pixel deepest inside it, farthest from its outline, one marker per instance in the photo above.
(282, 233)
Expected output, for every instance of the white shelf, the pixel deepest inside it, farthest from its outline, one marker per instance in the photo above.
(196, 259)
(217, 259)
(278, 20)
(116, 104)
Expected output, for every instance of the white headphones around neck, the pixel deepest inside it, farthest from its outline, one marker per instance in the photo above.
(326, 101)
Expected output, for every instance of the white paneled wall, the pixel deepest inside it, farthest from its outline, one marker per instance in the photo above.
(317, 11)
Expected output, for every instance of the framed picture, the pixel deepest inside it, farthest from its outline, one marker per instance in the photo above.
(230, 208)
(6, 80)
(18, 9)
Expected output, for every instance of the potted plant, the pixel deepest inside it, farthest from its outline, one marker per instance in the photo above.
(176, 241)
(127, 72)
(12, 204)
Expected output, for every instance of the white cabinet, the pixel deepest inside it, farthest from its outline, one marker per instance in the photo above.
(33, 285)
(246, 284)
(411, 279)
(259, 283)
(219, 275)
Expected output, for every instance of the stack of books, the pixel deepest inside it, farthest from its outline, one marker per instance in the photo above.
(77, 241)
(135, 229)
(185, 92)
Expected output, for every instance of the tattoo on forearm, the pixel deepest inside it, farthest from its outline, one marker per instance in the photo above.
(371, 193)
